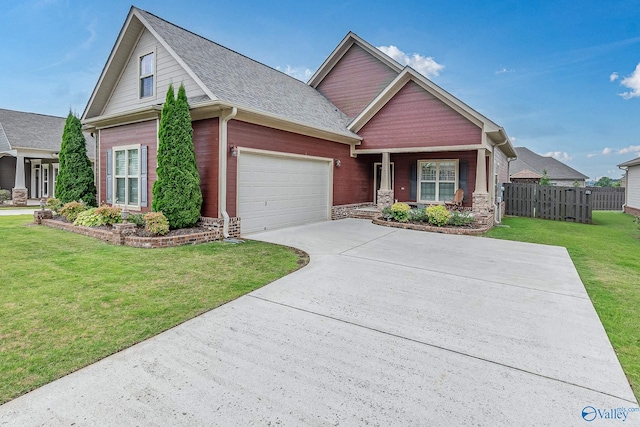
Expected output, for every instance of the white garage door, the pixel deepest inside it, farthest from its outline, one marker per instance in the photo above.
(275, 192)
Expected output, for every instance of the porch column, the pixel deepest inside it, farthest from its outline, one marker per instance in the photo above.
(19, 193)
(482, 209)
(481, 171)
(385, 194)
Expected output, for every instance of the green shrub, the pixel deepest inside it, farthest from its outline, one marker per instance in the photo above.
(156, 223)
(89, 218)
(110, 214)
(418, 215)
(438, 215)
(4, 195)
(54, 204)
(400, 212)
(71, 210)
(461, 218)
(386, 213)
(137, 219)
(75, 180)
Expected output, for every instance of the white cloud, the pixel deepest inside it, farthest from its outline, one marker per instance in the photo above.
(630, 149)
(423, 64)
(606, 151)
(504, 70)
(300, 73)
(613, 77)
(590, 155)
(559, 155)
(632, 82)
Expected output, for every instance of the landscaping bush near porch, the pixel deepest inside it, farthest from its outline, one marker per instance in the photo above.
(436, 215)
(67, 300)
(607, 257)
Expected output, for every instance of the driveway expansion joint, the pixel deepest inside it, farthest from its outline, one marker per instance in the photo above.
(466, 277)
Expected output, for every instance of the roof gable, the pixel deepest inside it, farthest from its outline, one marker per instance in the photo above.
(495, 132)
(350, 40)
(224, 75)
(632, 162)
(527, 159)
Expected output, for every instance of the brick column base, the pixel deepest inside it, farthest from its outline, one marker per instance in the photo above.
(483, 209)
(19, 196)
(38, 216)
(385, 198)
(121, 230)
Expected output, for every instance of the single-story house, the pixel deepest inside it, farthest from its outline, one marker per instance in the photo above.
(274, 151)
(632, 184)
(529, 167)
(29, 148)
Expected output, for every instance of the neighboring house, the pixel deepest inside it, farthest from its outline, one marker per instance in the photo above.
(530, 165)
(29, 147)
(275, 151)
(632, 184)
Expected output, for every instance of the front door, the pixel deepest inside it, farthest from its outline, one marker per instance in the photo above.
(377, 168)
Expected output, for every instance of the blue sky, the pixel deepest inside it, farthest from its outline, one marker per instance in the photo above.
(562, 77)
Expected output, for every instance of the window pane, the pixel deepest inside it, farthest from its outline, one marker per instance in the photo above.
(446, 191)
(120, 190)
(133, 162)
(146, 65)
(447, 171)
(133, 191)
(120, 159)
(146, 87)
(427, 191)
(428, 172)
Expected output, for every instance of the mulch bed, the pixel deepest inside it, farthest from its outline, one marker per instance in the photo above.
(141, 232)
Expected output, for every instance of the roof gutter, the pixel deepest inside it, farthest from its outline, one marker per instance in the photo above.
(222, 168)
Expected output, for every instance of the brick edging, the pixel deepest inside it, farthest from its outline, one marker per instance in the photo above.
(630, 210)
(136, 241)
(433, 229)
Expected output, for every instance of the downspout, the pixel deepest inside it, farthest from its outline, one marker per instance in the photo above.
(222, 169)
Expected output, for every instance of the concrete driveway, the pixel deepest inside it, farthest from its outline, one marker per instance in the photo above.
(384, 327)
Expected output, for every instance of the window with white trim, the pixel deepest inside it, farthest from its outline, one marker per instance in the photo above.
(147, 69)
(437, 180)
(126, 173)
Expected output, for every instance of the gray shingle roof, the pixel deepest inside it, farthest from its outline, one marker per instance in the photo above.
(247, 83)
(34, 131)
(527, 159)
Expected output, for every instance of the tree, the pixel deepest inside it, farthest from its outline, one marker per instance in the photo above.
(545, 180)
(604, 181)
(75, 180)
(176, 192)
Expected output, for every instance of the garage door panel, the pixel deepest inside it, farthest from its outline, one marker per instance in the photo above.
(275, 192)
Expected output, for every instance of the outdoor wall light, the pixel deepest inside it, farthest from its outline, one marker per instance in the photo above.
(43, 203)
(234, 151)
(338, 163)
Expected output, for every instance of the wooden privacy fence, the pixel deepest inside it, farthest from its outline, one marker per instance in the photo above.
(607, 198)
(548, 202)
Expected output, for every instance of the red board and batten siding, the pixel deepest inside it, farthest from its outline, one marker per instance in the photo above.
(355, 81)
(351, 181)
(415, 118)
(144, 133)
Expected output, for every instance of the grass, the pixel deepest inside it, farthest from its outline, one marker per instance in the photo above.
(67, 300)
(10, 207)
(607, 257)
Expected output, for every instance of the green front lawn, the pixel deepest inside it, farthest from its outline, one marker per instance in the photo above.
(67, 300)
(607, 257)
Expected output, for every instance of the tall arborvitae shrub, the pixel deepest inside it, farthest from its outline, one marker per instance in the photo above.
(75, 180)
(176, 192)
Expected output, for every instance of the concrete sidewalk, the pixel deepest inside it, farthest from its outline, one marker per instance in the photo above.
(383, 327)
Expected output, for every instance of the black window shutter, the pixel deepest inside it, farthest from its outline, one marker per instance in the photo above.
(462, 179)
(413, 181)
